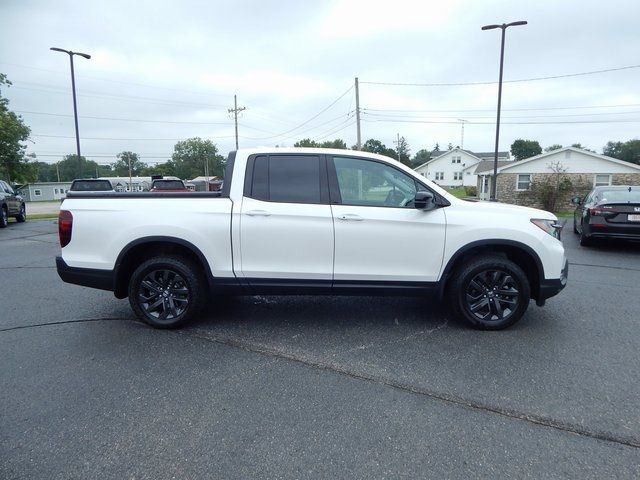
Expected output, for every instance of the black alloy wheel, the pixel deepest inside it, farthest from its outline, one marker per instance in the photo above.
(492, 295)
(22, 216)
(166, 291)
(490, 292)
(4, 217)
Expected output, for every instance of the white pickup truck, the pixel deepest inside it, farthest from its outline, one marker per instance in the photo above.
(311, 221)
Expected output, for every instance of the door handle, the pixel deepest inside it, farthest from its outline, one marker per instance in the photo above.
(351, 217)
(258, 213)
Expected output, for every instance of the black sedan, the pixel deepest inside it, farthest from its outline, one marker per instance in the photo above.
(608, 212)
(11, 205)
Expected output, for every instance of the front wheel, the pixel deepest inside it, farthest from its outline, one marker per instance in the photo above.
(167, 291)
(490, 293)
(22, 216)
(4, 217)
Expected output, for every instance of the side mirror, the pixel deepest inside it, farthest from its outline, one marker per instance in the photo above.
(424, 201)
(576, 200)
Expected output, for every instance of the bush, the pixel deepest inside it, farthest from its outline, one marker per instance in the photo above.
(471, 191)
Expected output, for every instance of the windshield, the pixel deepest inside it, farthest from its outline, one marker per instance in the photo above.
(91, 186)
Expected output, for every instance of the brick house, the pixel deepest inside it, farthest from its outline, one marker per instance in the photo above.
(517, 181)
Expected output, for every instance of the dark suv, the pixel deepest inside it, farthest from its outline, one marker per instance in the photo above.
(11, 205)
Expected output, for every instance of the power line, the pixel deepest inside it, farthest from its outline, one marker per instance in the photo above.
(130, 139)
(504, 109)
(518, 116)
(59, 72)
(128, 98)
(306, 122)
(335, 131)
(511, 123)
(123, 119)
(533, 79)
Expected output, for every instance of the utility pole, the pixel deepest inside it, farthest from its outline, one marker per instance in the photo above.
(462, 121)
(58, 171)
(359, 138)
(397, 142)
(130, 180)
(235, 111)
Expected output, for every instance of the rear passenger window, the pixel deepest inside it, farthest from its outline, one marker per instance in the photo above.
(287, 178)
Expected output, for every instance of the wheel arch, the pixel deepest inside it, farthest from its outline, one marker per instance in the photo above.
(141, 249)
(519, 253)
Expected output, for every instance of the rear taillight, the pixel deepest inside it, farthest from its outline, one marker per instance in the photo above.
(601, 212)
(65, 225)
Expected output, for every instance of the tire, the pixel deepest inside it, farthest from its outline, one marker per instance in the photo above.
(4, 217)
(585, 240)
(575, 227)
(167, 291)
(22, 216)
(474, 297)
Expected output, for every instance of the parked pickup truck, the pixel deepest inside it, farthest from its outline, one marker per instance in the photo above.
(311, 221)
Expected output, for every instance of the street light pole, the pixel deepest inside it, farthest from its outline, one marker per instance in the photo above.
(73, 89)
(503, 27)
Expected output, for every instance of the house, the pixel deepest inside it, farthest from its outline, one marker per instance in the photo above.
(579, 169)
(44, 191)
(456, 167)
(200, 184)
(121, 184)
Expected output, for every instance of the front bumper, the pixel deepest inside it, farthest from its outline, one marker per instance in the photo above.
(550, 288)
(87, 277)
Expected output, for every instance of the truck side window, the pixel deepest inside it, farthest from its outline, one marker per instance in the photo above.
(287, 179)
(369, 183)
(260, 184)
(294, 179)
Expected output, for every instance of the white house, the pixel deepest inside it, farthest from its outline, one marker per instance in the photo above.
(456, 167)
(582, 168)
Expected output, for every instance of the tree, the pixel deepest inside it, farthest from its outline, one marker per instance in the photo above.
(521, 149)
(628, 151)
(70, 168)
(550, 190)
(579, 145)
(14, 162)
(192, 155)
(551, 148)
(337, 143)
(436, 148)
(121, 167)
(421, 156)
(403, 151)
(376, 146)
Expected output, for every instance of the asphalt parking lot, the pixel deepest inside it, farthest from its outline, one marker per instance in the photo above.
(311, 387)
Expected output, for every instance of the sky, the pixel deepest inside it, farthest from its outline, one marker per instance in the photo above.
(164, 71)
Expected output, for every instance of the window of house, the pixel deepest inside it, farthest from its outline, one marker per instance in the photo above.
(439, 175)
(457, 175)
(602, 180)
(524, 182)
(456, 159)
(37, 192)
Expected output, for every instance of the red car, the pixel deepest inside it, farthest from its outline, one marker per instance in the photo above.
(165, 185)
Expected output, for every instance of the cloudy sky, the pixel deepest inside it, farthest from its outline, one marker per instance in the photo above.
(162, 71)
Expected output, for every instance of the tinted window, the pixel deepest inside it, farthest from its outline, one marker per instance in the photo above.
(168, 184)
(260, 187)
(373, 184)
(287, 178)
(91, 186)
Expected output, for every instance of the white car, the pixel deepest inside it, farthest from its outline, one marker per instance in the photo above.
(311, 221)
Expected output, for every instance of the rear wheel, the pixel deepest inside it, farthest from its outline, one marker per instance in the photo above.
(4, 217)
(22, 215)
(490, 293)
(585, 240)
(167, 291)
